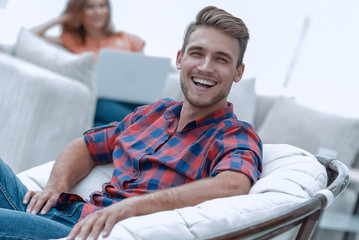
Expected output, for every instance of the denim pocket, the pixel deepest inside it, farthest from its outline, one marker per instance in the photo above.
(69, 215)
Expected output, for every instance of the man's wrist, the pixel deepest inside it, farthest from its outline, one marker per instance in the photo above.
(140, 205)
(57, 186)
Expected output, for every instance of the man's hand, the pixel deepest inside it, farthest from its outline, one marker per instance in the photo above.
(43, 201)
(73, 164)
(103, 220)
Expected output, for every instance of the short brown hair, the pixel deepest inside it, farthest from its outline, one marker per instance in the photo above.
(75, 8)
(219, 19)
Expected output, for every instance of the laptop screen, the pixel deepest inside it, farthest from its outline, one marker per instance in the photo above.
(131, 77)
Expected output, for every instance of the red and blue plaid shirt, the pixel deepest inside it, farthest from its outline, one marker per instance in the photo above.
(149, 153)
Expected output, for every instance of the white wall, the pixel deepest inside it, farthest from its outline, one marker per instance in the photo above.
(324, 76)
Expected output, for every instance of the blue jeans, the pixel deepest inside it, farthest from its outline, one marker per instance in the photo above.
(110, 111)
(15, 223)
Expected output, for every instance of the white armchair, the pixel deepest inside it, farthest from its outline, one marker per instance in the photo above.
(291, 177)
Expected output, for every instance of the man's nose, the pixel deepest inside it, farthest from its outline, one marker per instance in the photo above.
(206, 65)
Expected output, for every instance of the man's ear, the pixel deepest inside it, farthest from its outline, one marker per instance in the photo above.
(239, 74)
(178, 60)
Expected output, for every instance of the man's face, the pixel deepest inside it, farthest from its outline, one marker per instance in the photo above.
(208, 68)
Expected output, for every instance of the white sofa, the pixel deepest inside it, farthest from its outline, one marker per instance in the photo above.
(47, 99)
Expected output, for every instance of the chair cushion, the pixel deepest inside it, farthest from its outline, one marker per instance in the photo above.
(290, 176)
(290, 170)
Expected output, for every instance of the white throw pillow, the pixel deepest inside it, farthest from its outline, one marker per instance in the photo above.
(291, 123)
(172, 88)
(242, 96)
(36, 50)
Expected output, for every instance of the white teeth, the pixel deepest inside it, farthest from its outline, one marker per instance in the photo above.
(204, 82)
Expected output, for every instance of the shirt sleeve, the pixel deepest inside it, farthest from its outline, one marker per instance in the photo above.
(137, 44)
(240, 149)
(101, 141)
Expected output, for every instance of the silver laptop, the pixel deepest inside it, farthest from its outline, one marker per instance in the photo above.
(131, 77)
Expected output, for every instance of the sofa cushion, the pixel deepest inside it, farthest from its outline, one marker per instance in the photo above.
(317, 132)
(242, 96)
(36, 50)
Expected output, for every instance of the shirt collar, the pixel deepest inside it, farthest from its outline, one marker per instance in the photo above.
(214, 117)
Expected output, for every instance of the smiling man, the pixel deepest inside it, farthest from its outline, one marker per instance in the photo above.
(166, 155)
(208, 67)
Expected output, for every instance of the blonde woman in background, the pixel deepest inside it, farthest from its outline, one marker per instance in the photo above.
(86, 26)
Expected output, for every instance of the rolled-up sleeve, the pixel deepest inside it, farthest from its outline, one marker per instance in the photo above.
(101, 142)
(240, 150)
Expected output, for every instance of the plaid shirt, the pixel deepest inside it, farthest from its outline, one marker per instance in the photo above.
(149, 153)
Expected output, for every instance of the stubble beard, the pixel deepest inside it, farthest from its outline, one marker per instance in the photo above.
(217, 98)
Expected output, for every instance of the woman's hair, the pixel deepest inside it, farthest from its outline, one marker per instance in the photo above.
(219, 19)
(76, 8)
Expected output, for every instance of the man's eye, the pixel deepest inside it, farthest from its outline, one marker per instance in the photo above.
(222, 60)
(195, 53)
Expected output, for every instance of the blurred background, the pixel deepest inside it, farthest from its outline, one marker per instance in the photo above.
(304, 48)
